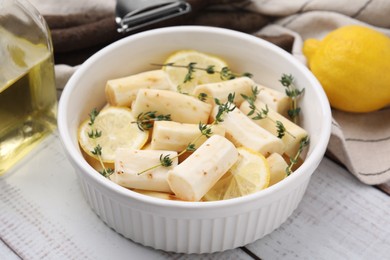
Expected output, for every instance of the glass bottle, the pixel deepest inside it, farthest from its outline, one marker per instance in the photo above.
(28, 99)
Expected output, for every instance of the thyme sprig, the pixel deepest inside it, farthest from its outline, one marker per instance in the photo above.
(165, 160)
(205, 130)
(92, 116)
(294, 93)
(261, 113)
(281, 130)
(106, 172)
(225, 73)
(305, 141)
(145, 120)
(224, 108)
(97, 150)
(191, 70)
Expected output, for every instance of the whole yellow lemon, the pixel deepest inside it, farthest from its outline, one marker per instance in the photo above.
(352, 64)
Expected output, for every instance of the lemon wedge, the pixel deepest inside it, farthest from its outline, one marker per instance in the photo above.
(183, 58)
(116, 130)
(249, 174)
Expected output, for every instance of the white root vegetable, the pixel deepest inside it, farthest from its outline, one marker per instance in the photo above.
(276, 100)
(293, 134)
(122, 91)
(173, 136)
(157, 194)
(242, 131)
(129, 163)
(182, 108)
(277, 168)
(221, 90)
(191, 179)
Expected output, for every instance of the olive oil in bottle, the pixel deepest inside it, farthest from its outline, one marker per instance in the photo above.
(28, 99)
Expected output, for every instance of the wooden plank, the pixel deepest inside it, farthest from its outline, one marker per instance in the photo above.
(6, 252)
(339, 218)
(235, 254)
(44, 215)
(384, 187)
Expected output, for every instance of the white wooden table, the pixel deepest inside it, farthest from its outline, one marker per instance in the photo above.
(43, 215)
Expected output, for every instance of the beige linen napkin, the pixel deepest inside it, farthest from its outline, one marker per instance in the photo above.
(361, 142)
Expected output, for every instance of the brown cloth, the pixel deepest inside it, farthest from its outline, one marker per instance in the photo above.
(77, 36)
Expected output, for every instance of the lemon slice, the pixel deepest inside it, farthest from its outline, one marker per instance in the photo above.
(117, 130)
(183, 58)
(248, 175)
(96, 164)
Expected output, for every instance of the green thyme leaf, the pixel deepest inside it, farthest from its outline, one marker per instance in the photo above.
(305, 141)
(166, 161)
(145, 120)
(92, 116)
(294, 93)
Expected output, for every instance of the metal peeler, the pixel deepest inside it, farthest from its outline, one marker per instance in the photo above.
(134, 14)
